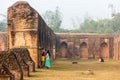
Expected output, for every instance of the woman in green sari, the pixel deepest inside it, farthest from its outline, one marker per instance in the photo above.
(47, 61)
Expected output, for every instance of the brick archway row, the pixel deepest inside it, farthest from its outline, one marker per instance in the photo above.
(96, 45)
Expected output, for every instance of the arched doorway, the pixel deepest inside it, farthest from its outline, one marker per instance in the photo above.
(63, 49)
(104, 50)
(84, 50)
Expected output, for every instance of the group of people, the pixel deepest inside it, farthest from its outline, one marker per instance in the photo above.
(45, 58)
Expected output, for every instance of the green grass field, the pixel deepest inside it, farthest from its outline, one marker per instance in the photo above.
(86, 69)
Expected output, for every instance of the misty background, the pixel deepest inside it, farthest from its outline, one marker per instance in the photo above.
(89, 16)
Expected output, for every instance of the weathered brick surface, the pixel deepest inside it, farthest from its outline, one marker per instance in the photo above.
(87, 45)
(9, 59)
(22, 63)
(22, 27)
(5, 74)
(25, 55)
(3, 41)
(26, 28)
(116, 47)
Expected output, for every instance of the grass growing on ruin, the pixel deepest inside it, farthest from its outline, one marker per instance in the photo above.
(63, 69)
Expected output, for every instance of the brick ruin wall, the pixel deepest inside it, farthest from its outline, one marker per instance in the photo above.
(27, 34)
(18, 62)
(46, 38)
(75, 45)
(116, 49)
(22, 63)
(9, 59)
(26, 28)
(22, 27)
(5, 74)
(25, 55)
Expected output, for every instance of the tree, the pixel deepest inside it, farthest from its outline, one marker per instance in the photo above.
(115, 23)
(3, 26)
(3, 23)
(88, 26)
(53, 19)
(91, 26)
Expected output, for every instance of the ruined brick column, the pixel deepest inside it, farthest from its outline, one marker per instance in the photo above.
(23, 28)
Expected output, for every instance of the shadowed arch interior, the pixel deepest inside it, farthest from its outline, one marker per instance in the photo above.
(104, 50)
(63, 49)
(84, 50)
(83, 44)
(63, 44)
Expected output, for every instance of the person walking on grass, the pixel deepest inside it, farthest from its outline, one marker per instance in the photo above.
(47, 61)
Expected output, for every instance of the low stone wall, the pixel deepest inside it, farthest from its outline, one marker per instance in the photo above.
(9, 59)
(24, 54)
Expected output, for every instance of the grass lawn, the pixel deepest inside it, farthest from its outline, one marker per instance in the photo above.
(86, 69)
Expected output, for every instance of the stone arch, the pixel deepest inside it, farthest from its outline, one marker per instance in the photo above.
(63, 49)
(83, 44)
(104, 50)
(84, 50)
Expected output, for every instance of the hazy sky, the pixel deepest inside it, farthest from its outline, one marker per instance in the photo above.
(71, 9)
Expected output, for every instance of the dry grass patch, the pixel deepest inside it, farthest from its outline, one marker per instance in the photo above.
(63, 69)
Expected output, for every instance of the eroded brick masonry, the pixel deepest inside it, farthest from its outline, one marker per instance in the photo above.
(27, 29)
(78, 45)
(28, 33)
